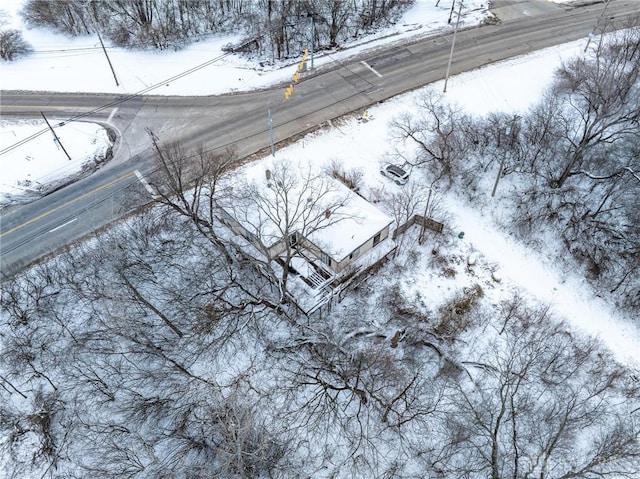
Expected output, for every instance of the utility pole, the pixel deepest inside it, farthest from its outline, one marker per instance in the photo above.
(270, 123)
(55, 137)
(426, 212)
(95, 27)
(453, 4)
(500, 169)
(453, 44)
(313, 33)
(106, 55)
(509, 133)
(595, 27)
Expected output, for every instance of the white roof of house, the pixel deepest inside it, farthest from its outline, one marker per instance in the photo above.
(340, 239)
(352, 223)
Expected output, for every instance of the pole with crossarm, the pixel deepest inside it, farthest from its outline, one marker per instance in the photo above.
(453, 44)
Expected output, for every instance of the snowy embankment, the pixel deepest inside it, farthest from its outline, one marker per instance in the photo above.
(47, 161)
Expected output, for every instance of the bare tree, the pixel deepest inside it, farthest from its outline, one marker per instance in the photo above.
(534, 395)
(67, 16)
(188, 183)
(438, 132)
(144, 366)
(414, 199)
(361, 389)
(579, 159)
(601, 106)
(12, 45)
(282, 29)
(283, 210)
(35, 433)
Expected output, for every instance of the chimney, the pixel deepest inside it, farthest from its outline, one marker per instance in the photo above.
(327, 213)
(268, 174)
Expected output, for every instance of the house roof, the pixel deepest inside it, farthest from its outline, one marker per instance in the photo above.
(352, 223)
(363, 222)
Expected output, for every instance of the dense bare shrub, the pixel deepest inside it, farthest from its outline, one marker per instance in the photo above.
(455, 316)
(12, 45)
(66, 16)
(272, 29)
(351, 178)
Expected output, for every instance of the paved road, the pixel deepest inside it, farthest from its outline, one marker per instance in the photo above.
(32, 231)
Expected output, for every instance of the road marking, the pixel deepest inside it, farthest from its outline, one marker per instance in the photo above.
(62, 225)
(146, 184)
(47, 213)
(113, 112)
(371, 68)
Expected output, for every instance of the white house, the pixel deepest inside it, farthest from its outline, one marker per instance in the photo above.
(304, 220)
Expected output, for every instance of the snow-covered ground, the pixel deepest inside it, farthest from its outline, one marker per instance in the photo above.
(509, 86)
(41, 163)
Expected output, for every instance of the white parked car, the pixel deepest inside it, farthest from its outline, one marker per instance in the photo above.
(395, 173)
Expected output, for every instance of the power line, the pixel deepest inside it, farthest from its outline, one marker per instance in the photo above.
(143, 91)
(66, 50)
(123, 99)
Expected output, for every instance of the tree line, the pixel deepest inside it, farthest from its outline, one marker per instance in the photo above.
(273, 29)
